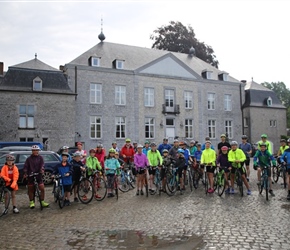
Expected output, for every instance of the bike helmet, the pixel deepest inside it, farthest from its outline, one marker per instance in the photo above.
(112, 150)
(263, 145)
(164, 151)
(282, 140)
(192, 142)
(64, 147)
(288, 140)
(175, 140)
(128, 140)
(147, 142)
(77, 154)
(10, 158)
(224, 148)
(165, 139)
(65, 153)
(244, 137)
(99, 145)
(223, 135)
(208, 142)
(153, 144)
(182, 143)
(198, 144)
(139, 146)
(180, 151)
(92, 150)
(234, 143)
(35, 147)
(264, 136)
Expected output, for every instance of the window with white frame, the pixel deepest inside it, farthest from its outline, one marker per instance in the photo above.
(210, 101)
(149, 128)
(169, 97)
(188, 99)
(269, 101)
(149, 97)
(211, 128)
(188, 128)
(120, 127)
(95, 61)
(246, 122)
(37, 84)
(119, 64)
(26, 116)
(229, 128)
(96, 93)
(120, 95)
(228, 102)
(96, 127)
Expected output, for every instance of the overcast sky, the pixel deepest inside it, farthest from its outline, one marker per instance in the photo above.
(250, 37)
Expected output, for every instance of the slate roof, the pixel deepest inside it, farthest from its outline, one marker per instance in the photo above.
(136, 57)
(256, 95)
(20, 77)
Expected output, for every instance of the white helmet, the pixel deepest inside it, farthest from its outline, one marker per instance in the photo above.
(35, 147)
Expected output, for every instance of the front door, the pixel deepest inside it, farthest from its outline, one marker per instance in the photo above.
(170, 129)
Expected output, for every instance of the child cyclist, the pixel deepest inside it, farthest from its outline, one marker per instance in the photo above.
(180, 163)
(224, 164)
(264, 158)
(78, 167)
(237, 157)
(285, 160)
(167, 161)
(111, 167)
(10, 174)
(93, 164)
(140, 162)
(65, 170)
(208, 158)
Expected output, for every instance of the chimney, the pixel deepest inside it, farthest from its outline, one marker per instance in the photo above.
(1, 68)
(61, 67)
(243, 81)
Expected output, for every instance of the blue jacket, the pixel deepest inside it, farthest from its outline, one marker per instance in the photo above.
(286, 157)
(197, 155)
(112, 164)
(62, 170)
(163, 146)
(186, 156)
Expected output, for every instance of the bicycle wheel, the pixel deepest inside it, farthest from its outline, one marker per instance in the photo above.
(261, 186)
(267, 188)
(101, 188)
(215, 181)
(37, 196)
(170, 184)
(85, 191)
(5, 197)
(60, 198)
(55, 193)
(153, 189)
(123, 183)
(221, 185)
(116, 188)
(284, 178)
(239, 183)
(276, 173)
(195, 177)
(190, 180)
(205, 183)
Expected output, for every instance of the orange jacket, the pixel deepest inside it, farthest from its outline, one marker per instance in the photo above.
(5, 176)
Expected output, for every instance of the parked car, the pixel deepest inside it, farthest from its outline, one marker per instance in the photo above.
(71, 150)
(51, 159)
(16, 148)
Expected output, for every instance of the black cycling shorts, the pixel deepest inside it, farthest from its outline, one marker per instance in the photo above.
(140, 171)
(246, 162)
(210, 169)
(242, 170)
(152, 170)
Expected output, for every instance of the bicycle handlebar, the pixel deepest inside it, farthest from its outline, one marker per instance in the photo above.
(33, 174)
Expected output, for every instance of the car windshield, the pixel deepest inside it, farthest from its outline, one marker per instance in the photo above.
(2, 160)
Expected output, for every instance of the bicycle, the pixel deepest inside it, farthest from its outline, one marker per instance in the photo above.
(190, 175)
(205, 179)
(277, 173)
(239, 181)
(173, 183)
(59, 191)
(125, 180)
(130, 168)
(85, 189)
(221, 182)
(5, 197)
(99, 185)
(196, 175)
(115, 184)
(157, 182)
(37, 192)
(264, 181)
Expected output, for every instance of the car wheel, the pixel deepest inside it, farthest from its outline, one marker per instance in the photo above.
(47, 177)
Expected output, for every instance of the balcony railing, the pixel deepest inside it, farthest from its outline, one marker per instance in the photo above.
(170, 110)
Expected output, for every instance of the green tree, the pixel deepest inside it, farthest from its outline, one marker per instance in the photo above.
(283, 93)
(176, 37)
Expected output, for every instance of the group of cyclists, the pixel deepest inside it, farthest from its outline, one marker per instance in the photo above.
(229, 157)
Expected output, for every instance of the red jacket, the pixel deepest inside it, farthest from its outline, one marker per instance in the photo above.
(4, 174)
(129, 152)
(101, 156)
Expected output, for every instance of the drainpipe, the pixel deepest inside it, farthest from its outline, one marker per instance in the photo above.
(76, 82)
(241, 103)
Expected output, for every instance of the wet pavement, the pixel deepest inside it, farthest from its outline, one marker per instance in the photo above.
(190, 221)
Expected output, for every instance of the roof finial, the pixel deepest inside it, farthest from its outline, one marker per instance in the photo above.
(252, 79)
(101, 35)
(35, 55)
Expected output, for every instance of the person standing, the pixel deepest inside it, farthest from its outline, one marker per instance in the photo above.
(164, 145)
(81, 151)
(247, 149)
(223, 143)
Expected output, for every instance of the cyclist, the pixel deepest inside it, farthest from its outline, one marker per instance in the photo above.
(64, 149)
(222, 143)
(167, 161)
(180, 163)
(100, 154)
(35, 164)
(82, 152)
(127, 153)
(140, 162)
(236, 157)
(65, 170)
(146, 148)
(114, 146)
(111, 167)
(187, 157)
(155, 160)
(164, 145)
(264, 158)
(282, 149)
(93, 164)
(173, 151)
(247, 149)
(224, 164)
(192, 148)
(207, 139)
(10, 174)
(285, 159)
(264, 139)
(78, 167)
(208, 158)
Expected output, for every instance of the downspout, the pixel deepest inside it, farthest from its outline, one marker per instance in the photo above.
(241, 103)
(76, 82)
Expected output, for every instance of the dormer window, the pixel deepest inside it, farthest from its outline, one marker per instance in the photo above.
(37, 84)
(95, 61)
(118, 64)
(269, 101)
(206, 74)
(223, 76)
